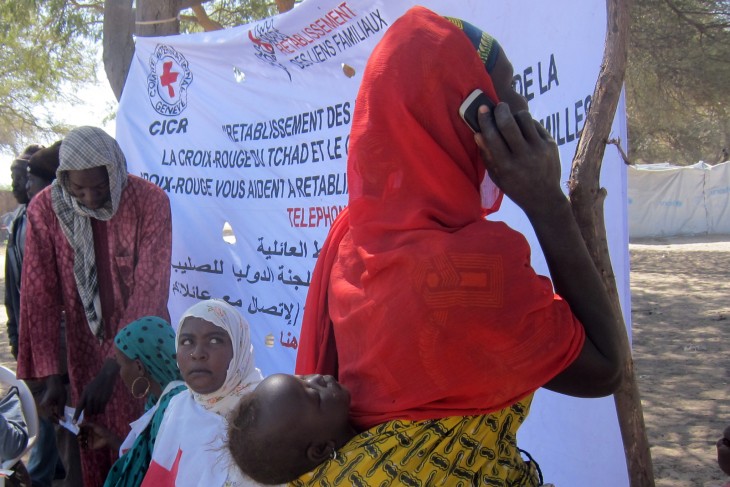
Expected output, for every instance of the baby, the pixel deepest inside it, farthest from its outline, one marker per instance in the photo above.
(288, 426)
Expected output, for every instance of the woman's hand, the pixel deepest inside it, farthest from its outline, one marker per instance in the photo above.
(520, 157)
(94, 436)
(98, 392)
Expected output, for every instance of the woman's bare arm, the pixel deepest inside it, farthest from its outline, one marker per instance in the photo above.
(523, 160)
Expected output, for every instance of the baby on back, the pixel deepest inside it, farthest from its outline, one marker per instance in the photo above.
(288, 426)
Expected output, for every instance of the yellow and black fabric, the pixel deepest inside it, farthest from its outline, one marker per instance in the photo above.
(454, 451)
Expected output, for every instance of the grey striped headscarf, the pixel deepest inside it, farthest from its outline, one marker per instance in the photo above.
(87, 148)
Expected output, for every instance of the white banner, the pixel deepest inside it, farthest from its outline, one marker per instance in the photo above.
(248, 128)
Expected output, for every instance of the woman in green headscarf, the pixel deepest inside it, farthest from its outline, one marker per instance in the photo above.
(145, 352)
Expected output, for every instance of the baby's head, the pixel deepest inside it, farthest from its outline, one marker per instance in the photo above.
(288, 426)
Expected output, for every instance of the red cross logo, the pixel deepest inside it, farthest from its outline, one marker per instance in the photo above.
(158, 476)
(168, 77)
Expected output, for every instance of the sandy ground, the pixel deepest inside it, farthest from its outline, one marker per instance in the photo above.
(680, 290)
(681, 317)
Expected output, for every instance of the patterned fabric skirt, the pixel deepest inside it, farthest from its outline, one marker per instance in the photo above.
(455, 451)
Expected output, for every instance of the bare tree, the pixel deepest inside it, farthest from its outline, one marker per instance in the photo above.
(587, 198)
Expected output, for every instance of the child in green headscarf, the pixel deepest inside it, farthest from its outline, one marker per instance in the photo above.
(145, 352)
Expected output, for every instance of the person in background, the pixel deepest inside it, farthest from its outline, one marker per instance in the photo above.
(16, 244)
(145, 352)
(98, 249)
(42, 167)
(44, 463)
(55, 455)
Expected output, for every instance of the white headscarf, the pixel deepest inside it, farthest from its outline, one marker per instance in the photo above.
(242, 375)
(87, 148)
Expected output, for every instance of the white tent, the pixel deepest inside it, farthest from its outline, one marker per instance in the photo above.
(666, 200)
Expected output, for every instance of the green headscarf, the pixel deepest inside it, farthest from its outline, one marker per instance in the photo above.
(152, 341)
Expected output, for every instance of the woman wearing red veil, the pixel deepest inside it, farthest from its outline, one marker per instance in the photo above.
(424, 309)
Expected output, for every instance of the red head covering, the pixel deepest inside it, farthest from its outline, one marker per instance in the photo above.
(435, 311)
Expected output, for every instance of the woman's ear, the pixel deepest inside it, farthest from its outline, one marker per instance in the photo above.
(140, 367)
(320, 452)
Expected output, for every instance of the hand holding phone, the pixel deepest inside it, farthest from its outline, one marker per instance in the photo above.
(469, 110)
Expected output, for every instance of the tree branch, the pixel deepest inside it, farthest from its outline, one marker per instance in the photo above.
(617, 143)
(202, 17)
(587, 199)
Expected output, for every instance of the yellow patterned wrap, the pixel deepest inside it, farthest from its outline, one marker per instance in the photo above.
(455, 451)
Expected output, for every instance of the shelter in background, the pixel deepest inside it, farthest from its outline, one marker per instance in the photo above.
(667, 200)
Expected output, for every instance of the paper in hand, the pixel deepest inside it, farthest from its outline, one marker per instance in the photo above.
(67, 420)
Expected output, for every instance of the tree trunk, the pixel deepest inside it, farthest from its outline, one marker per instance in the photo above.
(152, 18)
(587, 199)
(157, 18)
(117, 42)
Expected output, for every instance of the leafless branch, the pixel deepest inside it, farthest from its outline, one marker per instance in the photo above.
(624, 156)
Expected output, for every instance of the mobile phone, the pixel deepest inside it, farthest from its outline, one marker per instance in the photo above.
(470, 108)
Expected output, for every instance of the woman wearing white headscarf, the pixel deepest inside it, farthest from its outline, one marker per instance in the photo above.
(216, 360)
(98, 248)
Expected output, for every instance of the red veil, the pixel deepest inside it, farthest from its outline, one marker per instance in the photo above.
(418, 305)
